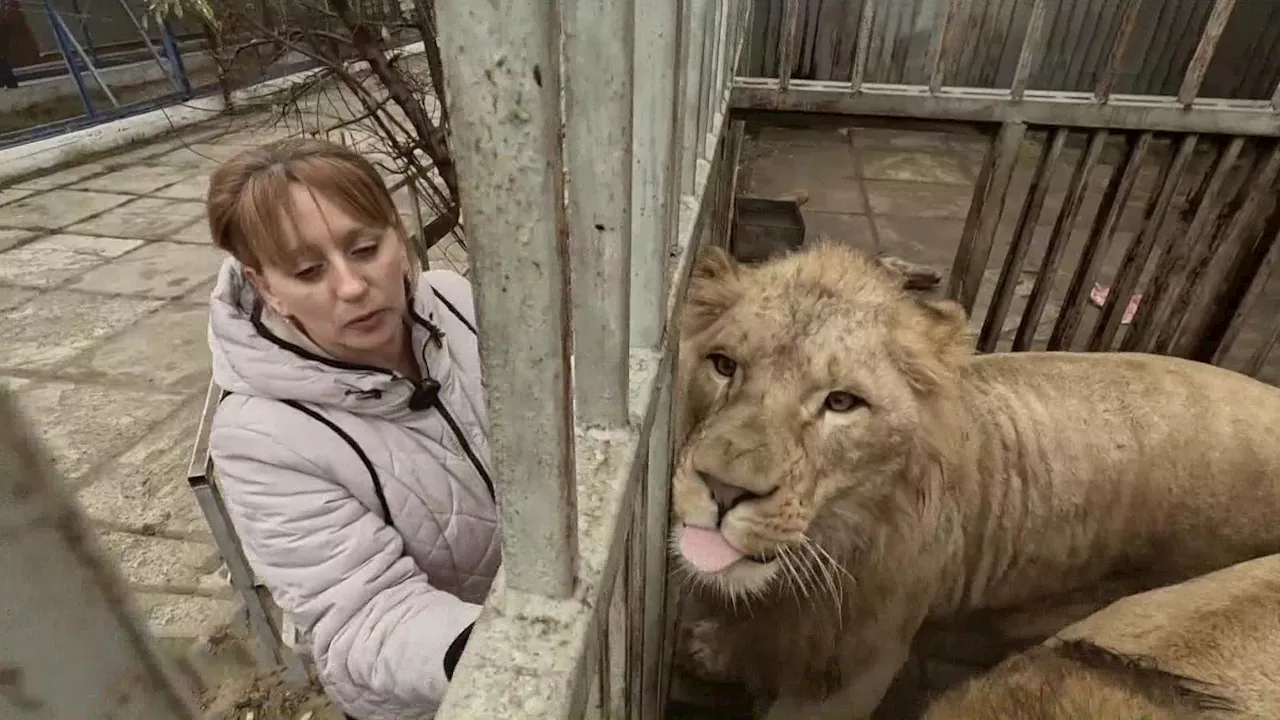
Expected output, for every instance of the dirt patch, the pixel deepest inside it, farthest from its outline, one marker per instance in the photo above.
(266, 697)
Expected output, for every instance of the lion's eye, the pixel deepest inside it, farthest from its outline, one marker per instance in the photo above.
(842, 402)
(723, 364)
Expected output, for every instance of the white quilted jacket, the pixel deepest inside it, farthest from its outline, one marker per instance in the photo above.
(312, 453)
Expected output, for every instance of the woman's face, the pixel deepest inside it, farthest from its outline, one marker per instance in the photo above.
(346, 288)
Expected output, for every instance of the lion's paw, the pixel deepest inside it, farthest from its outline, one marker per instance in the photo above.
(705, 650)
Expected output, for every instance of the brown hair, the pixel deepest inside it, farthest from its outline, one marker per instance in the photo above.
(249, 202)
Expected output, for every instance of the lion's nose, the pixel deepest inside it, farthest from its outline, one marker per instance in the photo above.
(725, 495)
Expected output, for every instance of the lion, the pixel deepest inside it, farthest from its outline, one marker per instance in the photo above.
(1205, 648)
(849, 470)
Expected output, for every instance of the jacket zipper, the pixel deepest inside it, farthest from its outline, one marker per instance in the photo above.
(438, 404)
(466, 446)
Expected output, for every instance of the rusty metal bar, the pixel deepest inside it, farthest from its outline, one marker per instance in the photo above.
(1002, 297)
(1204, 51)
(1169, 280)
(1058, 239)
(787, 43)
(1114, 63)
(975, 247)
(1256, 286)
(1032, 44)
(861, 50)
(938, 44)
(1139, 252)
(987, 105)
(1100, 236)
(1191, 322)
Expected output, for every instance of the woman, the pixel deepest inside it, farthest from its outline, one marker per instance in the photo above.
(352, 443)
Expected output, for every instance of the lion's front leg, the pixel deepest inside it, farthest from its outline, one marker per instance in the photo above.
(870, 657)
(865, 687)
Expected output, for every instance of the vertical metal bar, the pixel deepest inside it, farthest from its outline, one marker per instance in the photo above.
(614, 661)
(687, 121)
(717, 97)
(974, 251)
(1139, 252)
(501, 69)
(598, 47)
(1022, 235)
(1183, 255)
(1102, 93)
(719, 55)
(1058, 239)
(657, 502)
(73, 644)
(1256, 286)
(704, 68)
(69, 59)
(635, 568)
(976, 202)
(1204, 51)
(1104, 228)
(938, 44)
(787, 43)
(655, 188)
(1032, 47)
(861, 50)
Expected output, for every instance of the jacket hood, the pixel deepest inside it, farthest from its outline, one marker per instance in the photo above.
(258, 353)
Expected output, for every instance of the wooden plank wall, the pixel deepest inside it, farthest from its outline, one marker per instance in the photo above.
(1079, 36)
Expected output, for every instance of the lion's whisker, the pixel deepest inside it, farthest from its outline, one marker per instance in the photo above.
(827, 576)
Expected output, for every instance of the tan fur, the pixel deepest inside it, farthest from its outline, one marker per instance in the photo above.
(1215, 641)
(1002, 483)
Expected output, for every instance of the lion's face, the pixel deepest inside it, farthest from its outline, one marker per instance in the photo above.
(804, 381)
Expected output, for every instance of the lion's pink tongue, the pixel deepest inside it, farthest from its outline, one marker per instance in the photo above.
(707, 550)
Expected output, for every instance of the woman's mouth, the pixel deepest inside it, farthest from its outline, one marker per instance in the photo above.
(365, 321)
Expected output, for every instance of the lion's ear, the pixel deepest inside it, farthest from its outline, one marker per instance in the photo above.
(713, 288)
(935, 340)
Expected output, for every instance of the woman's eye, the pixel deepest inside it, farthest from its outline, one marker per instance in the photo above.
(842, 402)
(308, 273)
(366, 249)
(723, 364)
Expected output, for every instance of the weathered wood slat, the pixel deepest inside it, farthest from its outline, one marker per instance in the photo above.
(1021, 243)
(1155, 323)
(1139, 251)
(1058, 239)
(1113, 204)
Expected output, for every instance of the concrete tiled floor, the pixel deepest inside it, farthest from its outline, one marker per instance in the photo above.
(903, 193)
(103, 320)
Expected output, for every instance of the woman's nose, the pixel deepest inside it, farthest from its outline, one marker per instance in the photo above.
(347, 282)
